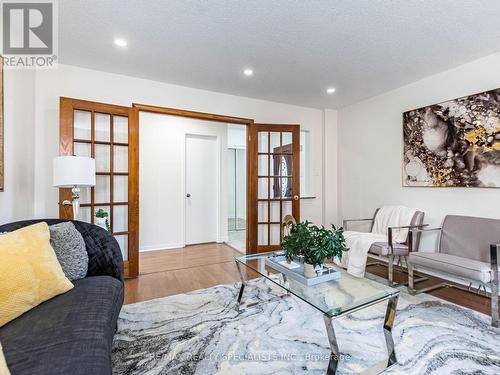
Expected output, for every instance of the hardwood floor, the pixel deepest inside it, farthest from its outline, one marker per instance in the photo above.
(168, 272)
(187, 257)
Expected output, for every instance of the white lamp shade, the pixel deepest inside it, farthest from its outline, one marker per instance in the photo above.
(72, 171)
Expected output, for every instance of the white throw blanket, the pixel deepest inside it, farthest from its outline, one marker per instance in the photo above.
(359, 243)
(393, 216)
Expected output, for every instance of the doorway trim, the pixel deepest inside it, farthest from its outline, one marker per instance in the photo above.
(137, 107)
(192, 114)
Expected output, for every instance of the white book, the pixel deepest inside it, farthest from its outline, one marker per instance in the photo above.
(290, 265)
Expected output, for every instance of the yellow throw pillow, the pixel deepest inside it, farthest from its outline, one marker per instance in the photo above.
(3, 365)
(29, 271)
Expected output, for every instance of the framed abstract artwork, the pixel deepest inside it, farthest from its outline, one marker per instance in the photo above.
(453, 144)
(1, 128)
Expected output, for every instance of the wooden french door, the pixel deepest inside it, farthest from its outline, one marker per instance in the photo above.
(274, 183)
(107, 133)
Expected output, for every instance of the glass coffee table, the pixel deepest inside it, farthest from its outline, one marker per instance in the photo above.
(334, 299)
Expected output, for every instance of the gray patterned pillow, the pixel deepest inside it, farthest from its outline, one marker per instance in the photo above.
(69, 247)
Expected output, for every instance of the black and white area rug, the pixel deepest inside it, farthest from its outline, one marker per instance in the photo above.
(201, 333)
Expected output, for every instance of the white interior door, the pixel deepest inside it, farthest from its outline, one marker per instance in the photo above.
(201, 189)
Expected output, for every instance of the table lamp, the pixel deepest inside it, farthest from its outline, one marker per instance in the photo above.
(74, 172)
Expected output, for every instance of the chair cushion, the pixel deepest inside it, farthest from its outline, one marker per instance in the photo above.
(382, 248)
(452, 264)
(69, 334)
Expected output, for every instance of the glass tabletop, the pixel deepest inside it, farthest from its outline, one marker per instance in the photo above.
(333, 298)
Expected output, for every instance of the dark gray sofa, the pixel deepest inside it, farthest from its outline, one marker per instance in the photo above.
(71, 333)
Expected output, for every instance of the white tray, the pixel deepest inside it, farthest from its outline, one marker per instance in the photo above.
(298, 273)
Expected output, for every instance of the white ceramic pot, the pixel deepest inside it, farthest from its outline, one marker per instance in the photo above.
(101, 221)
(309, 270)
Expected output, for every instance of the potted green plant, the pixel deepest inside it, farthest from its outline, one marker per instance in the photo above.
(102, 219)
(314, 244)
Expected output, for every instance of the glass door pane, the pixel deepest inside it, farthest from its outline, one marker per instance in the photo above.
(120, 159)
(82, 122)
(102, 158)
(120, 189)
(120, 129)
(102, 124)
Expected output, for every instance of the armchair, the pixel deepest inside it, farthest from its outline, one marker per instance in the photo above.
(391, 249)
(468, 249)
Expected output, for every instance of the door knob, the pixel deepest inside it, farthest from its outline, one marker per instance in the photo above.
(188, 195)
(295, 197)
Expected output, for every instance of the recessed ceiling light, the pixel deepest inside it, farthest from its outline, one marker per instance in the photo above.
(121, 42)
(248, 72)
(330, 90)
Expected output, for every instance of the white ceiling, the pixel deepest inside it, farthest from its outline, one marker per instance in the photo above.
(297, 48)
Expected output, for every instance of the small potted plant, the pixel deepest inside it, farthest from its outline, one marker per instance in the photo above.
(102, 219)
(314, 244)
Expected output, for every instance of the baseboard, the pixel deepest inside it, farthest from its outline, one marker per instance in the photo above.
(161, 247)
(234, 248)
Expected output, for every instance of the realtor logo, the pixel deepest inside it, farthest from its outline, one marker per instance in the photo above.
(29, 33)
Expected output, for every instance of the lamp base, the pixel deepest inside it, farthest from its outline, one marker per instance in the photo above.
(75, 201)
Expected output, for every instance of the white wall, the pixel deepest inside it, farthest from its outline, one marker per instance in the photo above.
(162, 144)
(104, 87)
(370, 148)
(16, 202)
(330, 169)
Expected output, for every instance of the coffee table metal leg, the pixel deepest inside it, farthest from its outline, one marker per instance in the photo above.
(390, 316)
(335, 353)
(242, 288)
